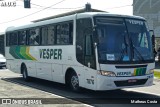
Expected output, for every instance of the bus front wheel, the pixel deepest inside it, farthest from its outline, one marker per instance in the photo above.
(25, 74)
(74, 82)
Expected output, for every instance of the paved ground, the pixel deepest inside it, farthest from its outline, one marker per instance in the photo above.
(154, 89)
(11, 89)
(13, 86)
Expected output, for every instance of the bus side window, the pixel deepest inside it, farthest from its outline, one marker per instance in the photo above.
(44, 35)
(51, 35)
(64, 33)
(13, 38)
(34, 36)
(22, 38)
(7, 39)
(48, 35)
(71, 33)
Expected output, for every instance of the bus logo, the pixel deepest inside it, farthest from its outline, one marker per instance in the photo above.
(123, 73)
(139, 71)
(51, 53)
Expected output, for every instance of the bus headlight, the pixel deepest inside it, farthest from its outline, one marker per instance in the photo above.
(107, 73)
(151, 71)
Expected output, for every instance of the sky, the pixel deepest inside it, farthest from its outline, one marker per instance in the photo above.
(17, 15)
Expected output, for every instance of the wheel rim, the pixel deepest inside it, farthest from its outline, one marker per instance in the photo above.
(75, 82)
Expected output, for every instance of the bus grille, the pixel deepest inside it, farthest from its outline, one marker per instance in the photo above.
(2, 62)
(126, 83)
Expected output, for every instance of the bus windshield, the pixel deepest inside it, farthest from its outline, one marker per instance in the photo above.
(123, 40)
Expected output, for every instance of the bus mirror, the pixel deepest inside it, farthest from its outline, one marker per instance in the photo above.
(153, 38)
(153, 42)
(95, 37)
(94, 27)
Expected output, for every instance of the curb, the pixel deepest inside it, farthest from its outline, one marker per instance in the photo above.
(157, 70)
(156, 79)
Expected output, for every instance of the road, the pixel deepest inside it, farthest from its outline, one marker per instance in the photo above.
(13, 86)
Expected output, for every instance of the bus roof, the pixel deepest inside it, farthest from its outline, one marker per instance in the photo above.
(108, 14)
(71, 17)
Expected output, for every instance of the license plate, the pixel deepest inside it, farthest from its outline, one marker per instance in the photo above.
(132, 80)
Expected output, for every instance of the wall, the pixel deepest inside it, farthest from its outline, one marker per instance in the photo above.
(149, 9)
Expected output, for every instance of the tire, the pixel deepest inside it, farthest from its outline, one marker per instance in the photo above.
(74, 82)
(25, 74)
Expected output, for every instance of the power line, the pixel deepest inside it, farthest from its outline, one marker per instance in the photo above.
(36, 5)
(61, 7)
(33, 13)
(67, 8)
(56, 8)
(40, 6)
(51, 7)
(118, 7)
(79, 7)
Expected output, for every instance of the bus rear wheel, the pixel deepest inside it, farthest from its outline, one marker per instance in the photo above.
(25, 74)
(74, 82)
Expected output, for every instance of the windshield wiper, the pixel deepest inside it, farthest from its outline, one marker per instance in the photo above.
(141, 57)
(134, 48)
(124, 50)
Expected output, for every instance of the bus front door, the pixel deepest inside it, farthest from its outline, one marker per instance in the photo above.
(89, 61)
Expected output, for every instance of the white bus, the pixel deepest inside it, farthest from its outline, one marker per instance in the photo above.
(93, 50)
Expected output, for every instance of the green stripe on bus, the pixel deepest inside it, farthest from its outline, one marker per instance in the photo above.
(18, 52)
(23, 53)
(28, 54)
(13, 53)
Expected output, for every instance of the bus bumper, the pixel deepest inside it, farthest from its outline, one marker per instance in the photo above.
(111, 83)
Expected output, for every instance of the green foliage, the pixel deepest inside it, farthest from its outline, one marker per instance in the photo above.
(157, 74)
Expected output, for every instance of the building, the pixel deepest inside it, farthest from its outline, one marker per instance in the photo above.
(2, 43)
(149, 9)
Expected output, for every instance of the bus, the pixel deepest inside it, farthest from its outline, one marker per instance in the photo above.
(2, 43)
(93, 50)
